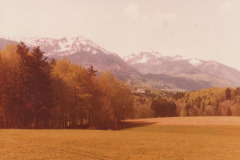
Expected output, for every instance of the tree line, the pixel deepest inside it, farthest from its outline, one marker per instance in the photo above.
(36, 92)
(210, 102)
(39, 93)
(205, 102)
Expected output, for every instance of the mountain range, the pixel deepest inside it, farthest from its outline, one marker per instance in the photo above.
(212, 72)
(145, 69)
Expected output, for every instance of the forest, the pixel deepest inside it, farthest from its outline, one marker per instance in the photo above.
(205, 102)
(37, 92)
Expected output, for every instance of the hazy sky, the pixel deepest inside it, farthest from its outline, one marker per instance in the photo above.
(205, 29)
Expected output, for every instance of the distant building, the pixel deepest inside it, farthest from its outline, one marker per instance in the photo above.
(139, 90)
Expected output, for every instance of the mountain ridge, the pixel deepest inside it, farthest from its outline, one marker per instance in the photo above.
(61, 46)
(150, 69)
(149, 63)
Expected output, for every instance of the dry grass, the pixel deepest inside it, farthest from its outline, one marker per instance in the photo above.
(175, 142)
(233, 121)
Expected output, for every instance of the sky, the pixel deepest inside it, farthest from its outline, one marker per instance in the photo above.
(204, 29)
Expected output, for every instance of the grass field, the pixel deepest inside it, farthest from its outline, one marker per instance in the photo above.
(151, 139)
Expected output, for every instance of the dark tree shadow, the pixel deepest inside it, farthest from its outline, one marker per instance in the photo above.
(127, 125)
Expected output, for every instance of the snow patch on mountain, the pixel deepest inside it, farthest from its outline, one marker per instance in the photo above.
(129, 57)
(195, 62)
(178, 58)
(155, 53)
(144, 59)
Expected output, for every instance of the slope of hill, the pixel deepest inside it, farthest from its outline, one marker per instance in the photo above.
(5, 42)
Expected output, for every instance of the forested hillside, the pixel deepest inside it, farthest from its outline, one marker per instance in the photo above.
(210, 102)
(206, 102)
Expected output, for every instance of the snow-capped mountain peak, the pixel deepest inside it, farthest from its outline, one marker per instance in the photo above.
(63, 46)
(154, 62)
(143, 57)
(154, 57)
